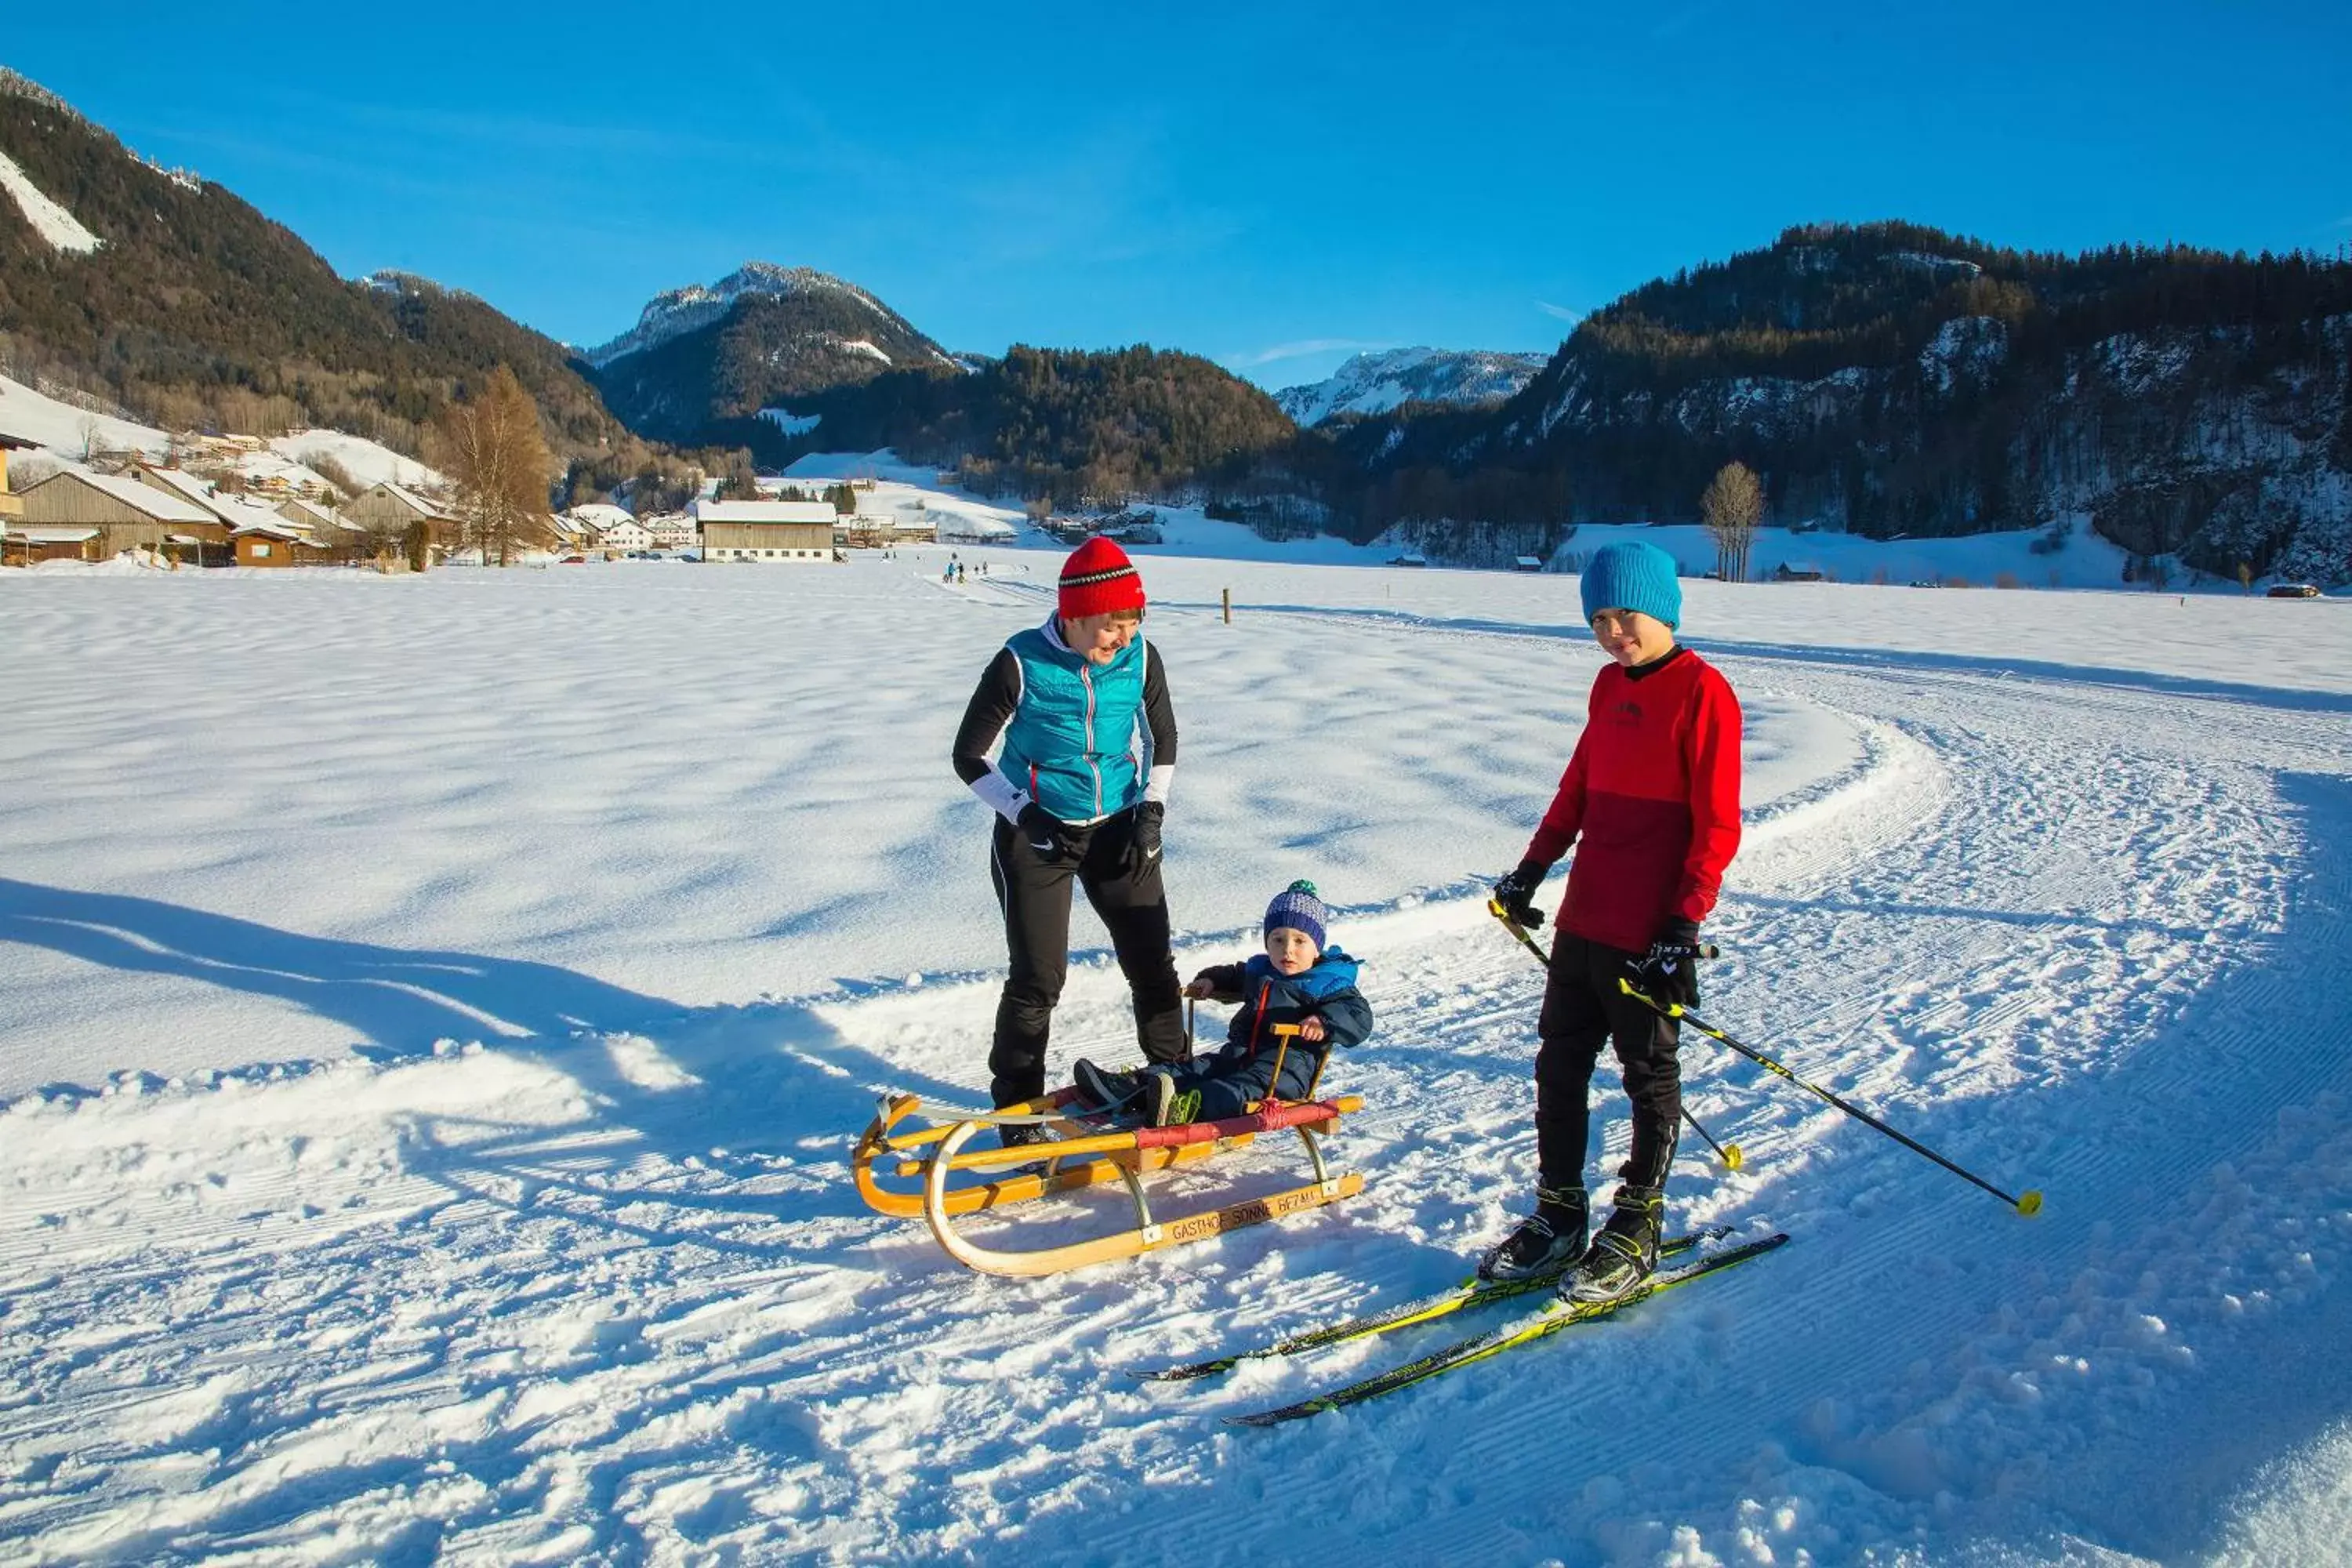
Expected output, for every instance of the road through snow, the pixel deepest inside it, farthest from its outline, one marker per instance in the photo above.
(592, 1287)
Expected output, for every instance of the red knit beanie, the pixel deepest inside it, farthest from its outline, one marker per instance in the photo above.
(1098, 579)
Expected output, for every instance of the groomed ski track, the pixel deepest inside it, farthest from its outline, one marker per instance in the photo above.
(2081, 931)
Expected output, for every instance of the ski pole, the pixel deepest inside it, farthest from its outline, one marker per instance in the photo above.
(1729, 1154)
(2029, 1203)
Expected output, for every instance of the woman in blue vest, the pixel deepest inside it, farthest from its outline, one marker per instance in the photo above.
(1080, 787)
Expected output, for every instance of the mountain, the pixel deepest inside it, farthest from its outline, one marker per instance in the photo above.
(189, 308)
(1073, 426)
(1382, 382)
(1891, 379)
(699, 357)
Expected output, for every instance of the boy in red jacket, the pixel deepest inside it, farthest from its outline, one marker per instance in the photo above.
(1650, 800)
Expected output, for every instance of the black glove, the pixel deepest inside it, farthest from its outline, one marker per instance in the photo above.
(1669, 971)
(1516, 894)
(1143, 836)
(1048, 834)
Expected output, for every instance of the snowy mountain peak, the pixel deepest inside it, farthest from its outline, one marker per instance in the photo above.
(682, 310)
(1376, 383)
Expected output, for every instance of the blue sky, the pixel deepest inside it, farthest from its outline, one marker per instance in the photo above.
(1271, 185)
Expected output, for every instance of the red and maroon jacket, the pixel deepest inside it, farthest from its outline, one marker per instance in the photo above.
(1650, 800)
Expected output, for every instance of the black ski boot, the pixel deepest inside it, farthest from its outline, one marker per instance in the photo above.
(1027, 1135)
(1626, 1253)
(1546, 1242)
(1104, 1090)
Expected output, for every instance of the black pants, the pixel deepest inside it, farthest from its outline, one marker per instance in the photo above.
(1035, 892)
(1582, 1007)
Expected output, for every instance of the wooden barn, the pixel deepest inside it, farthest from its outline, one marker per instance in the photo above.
(767, 530)
(388, 509)
(128, 515)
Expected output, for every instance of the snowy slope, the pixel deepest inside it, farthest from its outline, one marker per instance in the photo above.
(53, 223)
(1377, 381)
(447, 1162)
(365, 460)
(64, 430)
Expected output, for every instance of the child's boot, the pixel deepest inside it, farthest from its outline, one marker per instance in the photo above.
(1546, 1242)
(1104, 1090)
(1626, 1253)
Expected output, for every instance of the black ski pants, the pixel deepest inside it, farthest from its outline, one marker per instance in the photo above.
(1033, 891)
(1582, 1009)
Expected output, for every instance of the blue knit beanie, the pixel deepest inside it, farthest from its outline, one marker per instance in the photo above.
(1632, 576)
(1297, 907)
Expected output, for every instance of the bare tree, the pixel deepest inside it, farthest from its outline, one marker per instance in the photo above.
(493, 448)
(1732, 507)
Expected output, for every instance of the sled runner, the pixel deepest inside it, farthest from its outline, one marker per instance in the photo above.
(1092, 1147)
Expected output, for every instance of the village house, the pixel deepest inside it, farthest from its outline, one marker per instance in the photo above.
(127, 514)
(278, 542)
(23, 546)
(334, 537)
(626, 535)
(672, 531)
(574, 534)
(388, 510)
(765, 531)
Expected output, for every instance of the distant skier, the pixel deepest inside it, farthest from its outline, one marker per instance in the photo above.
(1650, 800)
(1298, 980)
(1081, 705)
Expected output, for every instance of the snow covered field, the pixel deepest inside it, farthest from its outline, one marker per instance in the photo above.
(435, 1014)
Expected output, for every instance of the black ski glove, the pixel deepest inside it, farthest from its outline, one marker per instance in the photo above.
(1517, 893)
(1143, 836)
(1669, 971)
(1048, 834)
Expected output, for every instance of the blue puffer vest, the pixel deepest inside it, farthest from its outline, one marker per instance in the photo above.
(1076, 743)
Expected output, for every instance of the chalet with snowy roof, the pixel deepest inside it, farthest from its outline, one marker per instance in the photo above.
(766, 531)
(673, 529)
(626, 534)
(179, 483)
(128, 514)
(276, 542)
(314, 517)
(389, 509)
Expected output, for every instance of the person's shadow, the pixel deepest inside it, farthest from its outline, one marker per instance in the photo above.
(752, 1078)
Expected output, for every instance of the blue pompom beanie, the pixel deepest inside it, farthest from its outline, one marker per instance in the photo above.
(1297, 907)
(1632, 576)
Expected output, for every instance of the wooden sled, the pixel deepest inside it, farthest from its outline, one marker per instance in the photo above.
(1085, 1155)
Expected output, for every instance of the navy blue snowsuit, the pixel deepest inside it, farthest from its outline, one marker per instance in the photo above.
(1242, 1070)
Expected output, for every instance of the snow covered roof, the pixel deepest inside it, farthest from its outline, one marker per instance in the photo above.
(765, 512)
(599, 513)
(161, 505)
(410, 499)
(315, 515)
(246, 516)
(50, 535)
(183, 483)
